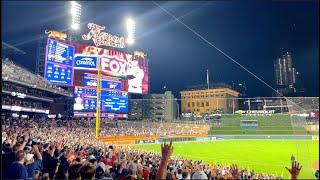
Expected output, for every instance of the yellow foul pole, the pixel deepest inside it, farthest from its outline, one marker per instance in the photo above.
(98, 102)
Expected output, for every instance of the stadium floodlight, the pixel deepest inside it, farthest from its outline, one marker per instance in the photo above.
(75, 26)
(131, 27)
(75, 12)
(130, 41)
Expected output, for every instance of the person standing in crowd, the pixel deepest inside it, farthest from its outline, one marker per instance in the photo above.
(17, 170)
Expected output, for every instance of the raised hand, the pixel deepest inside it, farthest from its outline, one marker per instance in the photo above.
(15, 136)
(26, 137)
(235, 171)
(295, 170)
(166, 150)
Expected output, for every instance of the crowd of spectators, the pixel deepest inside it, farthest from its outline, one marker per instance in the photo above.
(147, 128)
(47, 149)
(11, 71)
(23, 103)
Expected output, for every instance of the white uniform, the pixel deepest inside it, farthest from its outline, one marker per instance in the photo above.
(78, 105)
(135, 84)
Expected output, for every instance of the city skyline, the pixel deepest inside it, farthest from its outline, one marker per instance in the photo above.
(263, 33)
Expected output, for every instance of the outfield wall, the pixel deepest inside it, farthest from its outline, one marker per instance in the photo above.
(229, 137)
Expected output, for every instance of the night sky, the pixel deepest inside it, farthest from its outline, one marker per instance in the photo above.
(254, 34)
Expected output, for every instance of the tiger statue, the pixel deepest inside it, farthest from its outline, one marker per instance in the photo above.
(139, 53)
(56, 34)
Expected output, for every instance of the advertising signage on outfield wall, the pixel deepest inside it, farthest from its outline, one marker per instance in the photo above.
(59, 63)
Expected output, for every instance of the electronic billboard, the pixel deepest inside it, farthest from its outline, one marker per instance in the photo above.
(111, 101)
(86, 62)
(137, 76)
(112, 97)
(59, 63)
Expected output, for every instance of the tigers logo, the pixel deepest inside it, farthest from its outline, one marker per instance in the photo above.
(102, 38)
(56, 34)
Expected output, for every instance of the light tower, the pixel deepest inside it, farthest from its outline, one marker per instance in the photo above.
(75, 12)
(131, 27)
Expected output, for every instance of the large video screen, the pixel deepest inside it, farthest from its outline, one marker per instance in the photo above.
(137, 76)
(85, 100)
(59, 63)
(114, 101)
(132, 69)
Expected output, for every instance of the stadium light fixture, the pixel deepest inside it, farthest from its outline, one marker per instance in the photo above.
(131, 27)
(75, 11)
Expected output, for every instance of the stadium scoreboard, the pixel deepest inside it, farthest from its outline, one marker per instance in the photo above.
(59, 63)
(73, 65)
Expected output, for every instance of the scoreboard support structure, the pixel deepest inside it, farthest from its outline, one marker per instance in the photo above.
(98, 102)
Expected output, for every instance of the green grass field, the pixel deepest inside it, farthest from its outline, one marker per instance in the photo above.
(275, 124)
(270, 156)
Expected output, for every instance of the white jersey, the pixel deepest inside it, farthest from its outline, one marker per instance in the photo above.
(135, 84)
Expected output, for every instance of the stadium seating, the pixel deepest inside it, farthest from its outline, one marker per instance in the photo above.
(15, 73)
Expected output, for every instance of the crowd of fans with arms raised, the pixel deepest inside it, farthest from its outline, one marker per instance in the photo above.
(56, 149)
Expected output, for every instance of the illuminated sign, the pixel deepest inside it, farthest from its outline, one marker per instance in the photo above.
(59, 63)
(85, 99)
(114, 101)
(106, 82)
(85, 62)
(59, 74)
(113, 66)
(24, 109)
(137, 75)
(19, 95)
(92, 50)
(102, 38)
(259, 112)
(56, 34)
(60, 53)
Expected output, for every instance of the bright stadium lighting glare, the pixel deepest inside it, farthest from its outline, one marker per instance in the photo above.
(75, 11)
(130, 26)
(130, 41)
(75, 26)
(74, 3)
(130, 22)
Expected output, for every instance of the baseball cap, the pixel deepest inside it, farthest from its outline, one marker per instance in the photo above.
(199, 175)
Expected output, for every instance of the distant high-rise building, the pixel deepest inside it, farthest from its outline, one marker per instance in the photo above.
(160, 106)
(285, 75)
(135, 109)
(240, 87)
